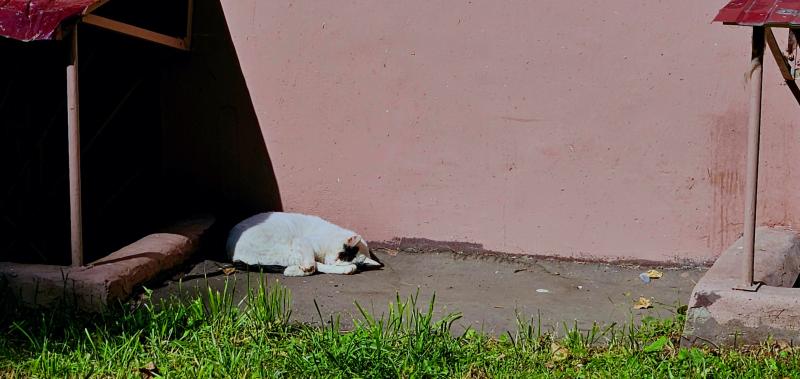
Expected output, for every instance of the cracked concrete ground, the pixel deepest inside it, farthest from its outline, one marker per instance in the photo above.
(488, 291)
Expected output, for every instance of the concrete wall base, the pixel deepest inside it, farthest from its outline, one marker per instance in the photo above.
(108, 280)
(719, 315)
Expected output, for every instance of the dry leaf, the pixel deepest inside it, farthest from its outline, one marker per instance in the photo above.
(654, 274)
(228, 270)
(783, 346)
(149, 371)
(559, 352)
(476, 373)
(643, 303)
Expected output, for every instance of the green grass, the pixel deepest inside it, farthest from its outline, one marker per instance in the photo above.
(219, 334)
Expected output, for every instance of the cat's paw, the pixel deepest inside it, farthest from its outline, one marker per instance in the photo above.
(297, 271)
(336, 269)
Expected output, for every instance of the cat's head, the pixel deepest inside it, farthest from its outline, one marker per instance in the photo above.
(355, 250)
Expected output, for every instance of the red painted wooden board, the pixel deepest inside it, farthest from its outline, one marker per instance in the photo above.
(784, 13)
(29, 20)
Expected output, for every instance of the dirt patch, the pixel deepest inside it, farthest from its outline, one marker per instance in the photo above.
(477, 251)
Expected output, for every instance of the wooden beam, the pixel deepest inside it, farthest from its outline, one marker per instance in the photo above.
(189, 15)
(134, 31)
(783, 64)
(94, 6)
(74, 154)
(117, 108)
(792, 50)
(780, 59)
(794, 89)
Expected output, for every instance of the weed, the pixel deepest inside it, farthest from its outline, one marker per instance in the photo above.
(213, 334)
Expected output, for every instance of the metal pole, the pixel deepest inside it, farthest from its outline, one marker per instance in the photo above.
(74, 151)
(753, 134)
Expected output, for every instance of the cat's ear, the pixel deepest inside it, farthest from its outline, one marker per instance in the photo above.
(353, 241)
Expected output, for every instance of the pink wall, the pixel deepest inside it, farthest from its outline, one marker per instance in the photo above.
(499, 123)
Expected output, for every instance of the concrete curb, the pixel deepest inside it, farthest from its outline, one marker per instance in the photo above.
(718, 315)
(108, 280)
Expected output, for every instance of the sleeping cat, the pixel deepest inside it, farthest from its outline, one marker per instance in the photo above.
(303, 244)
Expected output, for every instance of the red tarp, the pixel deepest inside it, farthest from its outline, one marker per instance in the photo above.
(29, 20)
(761, 13)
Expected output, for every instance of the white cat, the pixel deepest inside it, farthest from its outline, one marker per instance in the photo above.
(303, 244)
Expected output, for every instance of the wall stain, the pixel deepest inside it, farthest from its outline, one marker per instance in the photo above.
(705, 299)
(726, 176)
(517, 119)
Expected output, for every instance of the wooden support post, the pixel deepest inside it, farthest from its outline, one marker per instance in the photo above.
(74, 152)
(753, 135)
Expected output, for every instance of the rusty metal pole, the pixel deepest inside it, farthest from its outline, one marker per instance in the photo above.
(753, 135)
(74, 152)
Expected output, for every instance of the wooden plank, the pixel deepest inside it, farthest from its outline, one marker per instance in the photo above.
(112, 115)
(94, 6)
(783, 64)
(189, 16)
(780, 59)
(793, 37)
(795, 90)
(134, 31)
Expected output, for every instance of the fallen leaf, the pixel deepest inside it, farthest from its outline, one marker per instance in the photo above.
(149, 371)
(643, 303)
(559, 352)
(228, 270)
(783, 346)
(654, 274)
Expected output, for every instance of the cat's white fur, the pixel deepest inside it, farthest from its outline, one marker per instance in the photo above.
(302, 243)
